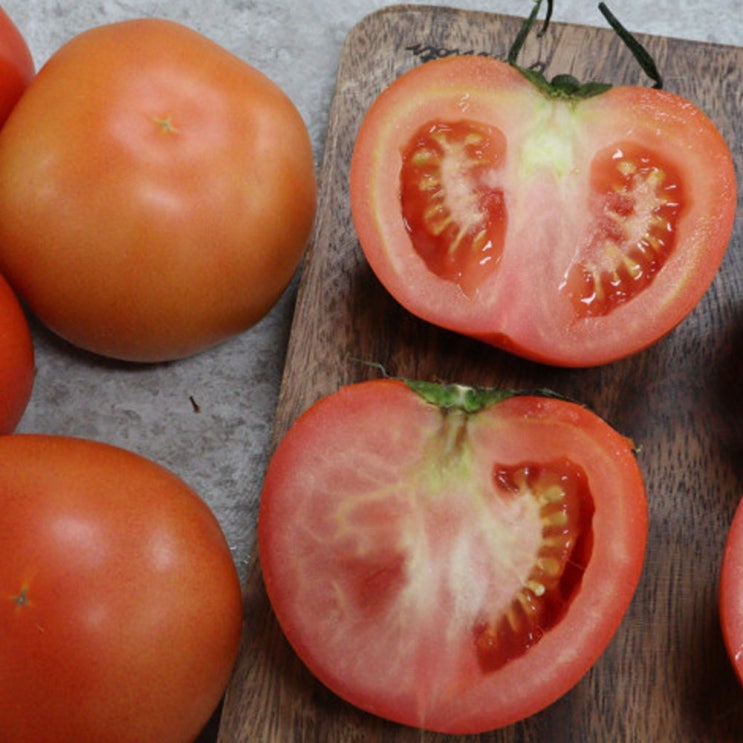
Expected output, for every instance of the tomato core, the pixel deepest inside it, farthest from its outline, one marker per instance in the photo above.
(561, 492)
(639, 200)
(451, 203)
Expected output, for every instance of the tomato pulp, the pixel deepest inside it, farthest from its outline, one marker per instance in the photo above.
(452, 564)
(569, 231)
(120, 604)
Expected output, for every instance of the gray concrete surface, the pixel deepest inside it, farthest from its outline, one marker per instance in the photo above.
(222, 450)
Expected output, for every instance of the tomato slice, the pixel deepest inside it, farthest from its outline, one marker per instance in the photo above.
(446, 565)
(572, 232)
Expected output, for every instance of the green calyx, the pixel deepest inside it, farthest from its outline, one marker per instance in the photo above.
(566, 86)
(458, 396)
(462, 397)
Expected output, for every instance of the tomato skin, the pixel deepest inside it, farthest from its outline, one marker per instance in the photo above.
(16, 360)
(332, 487)
(166, 214)
(549, 199)
(120, 605)
(16, 65)
(731, 593)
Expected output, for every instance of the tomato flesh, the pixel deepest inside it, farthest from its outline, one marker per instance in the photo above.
(455, 571)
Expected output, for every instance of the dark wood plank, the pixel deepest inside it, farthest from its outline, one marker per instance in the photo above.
(665, 677)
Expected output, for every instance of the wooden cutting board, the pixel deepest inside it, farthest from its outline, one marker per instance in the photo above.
(665, 677)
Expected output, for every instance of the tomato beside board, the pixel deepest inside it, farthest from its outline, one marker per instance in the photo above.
(156, 192)
(572, 231)
(16, 65)
(120, 604)
(448, 558)
(16, 346)
(16, 360)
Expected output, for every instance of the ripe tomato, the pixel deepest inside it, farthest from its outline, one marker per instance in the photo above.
(120, 605)
(16, 65)
(570, 231)
(16, 360)
(454, 565)
(156, 192)
(731, 593)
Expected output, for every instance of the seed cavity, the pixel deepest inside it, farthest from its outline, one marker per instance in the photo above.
(451, 206)
(565, 512)
(634, 233)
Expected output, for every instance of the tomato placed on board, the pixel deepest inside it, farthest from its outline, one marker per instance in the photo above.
(731, 593)
(570, 225)
(156, 192)
(16, 360)
(120, 604)
(448, 558)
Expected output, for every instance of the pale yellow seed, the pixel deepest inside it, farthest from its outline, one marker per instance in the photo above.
(535, 587)
(549, 565)
(552, 494)
(558, 518)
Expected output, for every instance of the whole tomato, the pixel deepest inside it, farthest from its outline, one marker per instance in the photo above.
(156, 192)
(16, 65)
(16, 360)
(120, 604)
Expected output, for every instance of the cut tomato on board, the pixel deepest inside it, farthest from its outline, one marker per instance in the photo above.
(448, 558)
(731, 593)
(572, 225)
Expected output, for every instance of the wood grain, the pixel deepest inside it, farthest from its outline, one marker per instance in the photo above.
(665, 677)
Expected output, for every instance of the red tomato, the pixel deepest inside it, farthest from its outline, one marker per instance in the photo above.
(156, 192)
(571, 232)
(16, 360)
(448, 568)
(731, 593)
(120, 605)
(16, 65)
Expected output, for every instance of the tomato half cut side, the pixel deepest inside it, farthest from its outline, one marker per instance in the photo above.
(731, 593)
(450, 567)
(573, 232)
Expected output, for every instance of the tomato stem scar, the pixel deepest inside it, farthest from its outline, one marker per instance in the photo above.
(22, 598)
(166, 124)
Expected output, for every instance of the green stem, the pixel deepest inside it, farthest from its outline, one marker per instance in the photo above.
(638, 50)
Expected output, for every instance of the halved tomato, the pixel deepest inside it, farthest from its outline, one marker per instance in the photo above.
(731, 593)
(446, 558)
(572, 231)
